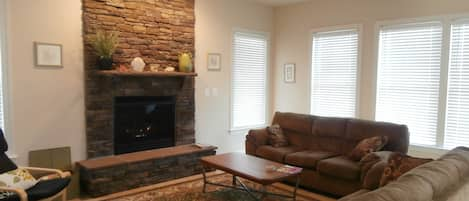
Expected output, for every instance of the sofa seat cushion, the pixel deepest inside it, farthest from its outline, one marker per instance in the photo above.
(341, 167)
(307, 159)
(275, 153)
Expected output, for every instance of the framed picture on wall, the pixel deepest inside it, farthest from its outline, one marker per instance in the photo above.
(47, 54)
(289, 73)
(214, 62)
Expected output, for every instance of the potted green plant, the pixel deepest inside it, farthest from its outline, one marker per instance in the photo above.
(104, 44)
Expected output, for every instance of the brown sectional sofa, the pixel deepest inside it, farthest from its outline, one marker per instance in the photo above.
(445, 179)
(320, 145)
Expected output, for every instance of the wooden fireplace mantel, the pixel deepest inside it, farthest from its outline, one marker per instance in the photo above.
(145, 74)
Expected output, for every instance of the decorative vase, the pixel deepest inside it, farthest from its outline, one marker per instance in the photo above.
(138, 64)
(185, 62)
(105, 63)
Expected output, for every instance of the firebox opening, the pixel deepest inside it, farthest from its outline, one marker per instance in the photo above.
(143, 123)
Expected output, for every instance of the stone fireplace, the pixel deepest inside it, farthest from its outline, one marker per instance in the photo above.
(157, 31)
(143, 123)
(175, 95)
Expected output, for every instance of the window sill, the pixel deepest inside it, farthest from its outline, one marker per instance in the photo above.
(428, 150)
(12, 156)
(244, 130)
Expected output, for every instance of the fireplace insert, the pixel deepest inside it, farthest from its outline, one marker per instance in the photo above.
(143, 123)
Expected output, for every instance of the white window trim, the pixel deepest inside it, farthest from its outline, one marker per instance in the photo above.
(242, 130)
(359, 27)
(446, 21)
(6, 97)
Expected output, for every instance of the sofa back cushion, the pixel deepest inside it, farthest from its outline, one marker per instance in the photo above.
(291, 122)
(296, 127)
(338, 135)
(329, 133)
(357, 130)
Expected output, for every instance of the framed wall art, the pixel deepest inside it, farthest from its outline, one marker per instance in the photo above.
(48, 55)
(214, 62)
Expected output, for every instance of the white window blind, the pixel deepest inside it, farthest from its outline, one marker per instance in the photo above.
(2, 62)
(457, 110)
(334, 73)
(409, 78)
(249, 79)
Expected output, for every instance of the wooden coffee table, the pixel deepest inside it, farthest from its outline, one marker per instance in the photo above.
(252, 168)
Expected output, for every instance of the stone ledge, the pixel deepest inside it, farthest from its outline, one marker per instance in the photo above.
(123, 172)
(135, 157)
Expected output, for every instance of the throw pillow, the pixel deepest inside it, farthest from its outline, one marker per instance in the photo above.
(19, 178)
(276, 136)
(399, 164)
(367, 146)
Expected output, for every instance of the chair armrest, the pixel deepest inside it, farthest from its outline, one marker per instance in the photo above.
(255, 139)
(372, 166)
(56, 172)
(20, 192)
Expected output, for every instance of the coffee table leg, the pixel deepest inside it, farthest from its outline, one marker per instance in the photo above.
(205, 178)
(234, 180)
(296, 187)
(264, 192)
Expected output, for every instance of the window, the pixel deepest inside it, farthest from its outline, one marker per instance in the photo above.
(457, 109)
(249, 79)
(423, 81)
(334, 73)
(409, 78)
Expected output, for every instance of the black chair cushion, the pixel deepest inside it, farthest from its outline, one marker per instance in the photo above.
(43, 189)
(3, 142)
(5, 163)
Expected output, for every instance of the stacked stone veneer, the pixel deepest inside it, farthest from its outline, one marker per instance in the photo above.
(155, 30)
(119, 173)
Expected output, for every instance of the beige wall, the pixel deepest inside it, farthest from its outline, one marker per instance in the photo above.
(46, 105)
(293, 24)
(215, 20)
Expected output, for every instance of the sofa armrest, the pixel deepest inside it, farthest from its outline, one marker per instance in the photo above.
(372, 166)
(354, 195)
(254, 139)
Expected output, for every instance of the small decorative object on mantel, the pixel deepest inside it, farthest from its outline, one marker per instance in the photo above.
(123, 68)
(105, 44)
(138, 64)
(169, 69)
(185, 62)
(154, 67)
(214, 62)
(289, 73)
(48, 55)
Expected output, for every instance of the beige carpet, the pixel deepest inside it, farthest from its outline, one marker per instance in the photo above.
(190, 188)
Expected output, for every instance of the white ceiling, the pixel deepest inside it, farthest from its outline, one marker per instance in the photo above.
(279, 2)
